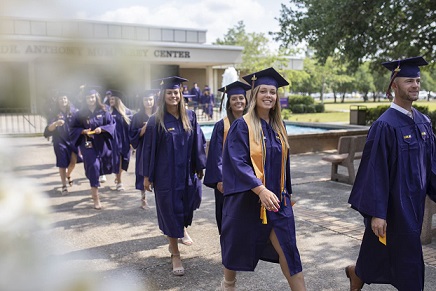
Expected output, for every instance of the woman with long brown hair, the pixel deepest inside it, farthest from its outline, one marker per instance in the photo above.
(173, 159)
(235, 107)
(59, 129)
(93, 131)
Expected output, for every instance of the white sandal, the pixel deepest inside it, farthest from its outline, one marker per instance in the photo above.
(228, 285)
(177, 271)
(120, 187)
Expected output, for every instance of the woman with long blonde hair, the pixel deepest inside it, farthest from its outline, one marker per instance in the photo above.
(173, 159)
(258, 220)
(122, 116)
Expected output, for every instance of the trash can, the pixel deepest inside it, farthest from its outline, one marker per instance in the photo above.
(358, 114)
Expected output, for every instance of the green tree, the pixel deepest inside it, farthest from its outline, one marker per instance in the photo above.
(355, 31)
(364, 81)
(256, 54)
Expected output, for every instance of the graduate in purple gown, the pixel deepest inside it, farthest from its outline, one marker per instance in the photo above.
(59, 129)
(207, 102)
(396, 173)
(93, 130)
(136, 135)
(258, 220)
(235, 107)
(173, 160)
(122, 116)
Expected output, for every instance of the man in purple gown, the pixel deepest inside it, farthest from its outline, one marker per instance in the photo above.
(396, 173)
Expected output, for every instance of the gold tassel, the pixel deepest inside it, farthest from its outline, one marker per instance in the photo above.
(263, 215)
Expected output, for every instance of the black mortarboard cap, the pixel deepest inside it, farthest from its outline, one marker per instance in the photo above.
(150, 92)
(234, 88)
(116, 93)
(406, 68)
(90, 90)
(266, 77)
(173, 82)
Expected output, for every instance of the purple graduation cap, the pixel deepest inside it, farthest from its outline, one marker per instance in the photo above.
(234, 88)
(404, 68)
(266, 77)
(173, 82)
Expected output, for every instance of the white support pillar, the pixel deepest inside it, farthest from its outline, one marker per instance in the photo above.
(209, 79)
(32, 87)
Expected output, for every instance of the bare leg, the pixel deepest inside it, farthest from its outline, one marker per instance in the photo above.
(229, 282)
(95, 198)
(119, 183)
(71, 167)
(144, 204)
(296, 282)
(63, 174)
(173, 247)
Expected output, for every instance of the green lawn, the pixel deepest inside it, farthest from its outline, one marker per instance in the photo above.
(340, 112)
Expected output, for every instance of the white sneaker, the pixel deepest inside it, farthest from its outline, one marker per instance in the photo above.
(102, 178)
(120, 187)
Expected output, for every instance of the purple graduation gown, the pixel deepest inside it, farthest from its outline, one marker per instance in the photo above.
(122, 139)
(171, 159)
(137, 141)
(214, 168)
(395, 174)
(62, 144)
(98, 160)
(244, 239)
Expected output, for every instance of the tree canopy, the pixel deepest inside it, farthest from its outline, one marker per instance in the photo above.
(256, 54)
(355, 31)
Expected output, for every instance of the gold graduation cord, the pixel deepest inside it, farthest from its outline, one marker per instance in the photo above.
(226, 129)
(258, 155)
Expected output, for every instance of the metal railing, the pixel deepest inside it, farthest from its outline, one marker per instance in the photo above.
(18, 121)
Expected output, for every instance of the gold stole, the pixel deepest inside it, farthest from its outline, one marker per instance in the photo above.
(257, 155)
(226, 129)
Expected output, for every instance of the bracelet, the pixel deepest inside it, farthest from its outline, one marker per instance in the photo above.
(264, 188)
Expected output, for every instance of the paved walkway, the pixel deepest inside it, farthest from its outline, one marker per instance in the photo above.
(123, 241)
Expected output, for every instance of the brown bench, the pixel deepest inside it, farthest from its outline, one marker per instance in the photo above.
(427, 230)
(350, 148)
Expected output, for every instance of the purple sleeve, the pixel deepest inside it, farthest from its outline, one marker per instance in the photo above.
(214, 156)
(370, 191)
(237, 170)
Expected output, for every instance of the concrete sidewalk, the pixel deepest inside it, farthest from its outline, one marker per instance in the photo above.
(123, 241)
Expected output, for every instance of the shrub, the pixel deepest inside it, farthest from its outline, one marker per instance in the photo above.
(373, 113)
(432, 115)
(299, 99)
(422, 109)
(310, 108)
(298, 108)
(286, 114)
(319, 108)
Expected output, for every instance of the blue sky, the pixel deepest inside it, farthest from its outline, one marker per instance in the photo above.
(214, 16)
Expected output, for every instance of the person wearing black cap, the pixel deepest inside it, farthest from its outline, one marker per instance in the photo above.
(256, 180)
(235, 107)
(173, 159)
(122, 116)
(136, 136)
(93, 131)
(396, 173)
(59, 128)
